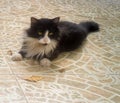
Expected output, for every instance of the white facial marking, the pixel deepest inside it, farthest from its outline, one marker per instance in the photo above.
(45, 39)
(33, 47)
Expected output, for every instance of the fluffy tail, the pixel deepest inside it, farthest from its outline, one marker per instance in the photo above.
(90, 26)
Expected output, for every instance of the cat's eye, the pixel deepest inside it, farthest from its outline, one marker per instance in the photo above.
(40, 33)
(50, 33)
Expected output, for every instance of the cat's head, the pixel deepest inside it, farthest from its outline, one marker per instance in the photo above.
(44, 30)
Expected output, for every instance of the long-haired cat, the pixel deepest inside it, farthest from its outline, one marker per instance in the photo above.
(47, 38)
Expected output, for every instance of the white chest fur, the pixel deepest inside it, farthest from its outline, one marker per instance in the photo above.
(33, 47)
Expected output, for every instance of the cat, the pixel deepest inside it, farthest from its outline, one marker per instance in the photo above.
(47, 38)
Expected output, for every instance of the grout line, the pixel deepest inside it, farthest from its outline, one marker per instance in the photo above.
(16, 80)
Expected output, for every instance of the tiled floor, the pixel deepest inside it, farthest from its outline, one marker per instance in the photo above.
(92, 73)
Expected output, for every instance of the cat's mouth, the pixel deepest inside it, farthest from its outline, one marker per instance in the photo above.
(45, 44)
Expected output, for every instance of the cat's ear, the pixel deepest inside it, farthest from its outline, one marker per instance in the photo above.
(33, 20)
(56, 20)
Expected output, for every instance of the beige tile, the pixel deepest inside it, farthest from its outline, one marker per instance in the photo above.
(91, 72)
(116, 91)
(100, 91)
(4, 67)
(7, 77)
(90, 96)
(72, 83)
(5, 70)
(94, 83)
(116, 86)
(10, 90)
(116, 99)
(64, 63)
(74, 56)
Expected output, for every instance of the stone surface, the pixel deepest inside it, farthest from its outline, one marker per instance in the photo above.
(91, 73)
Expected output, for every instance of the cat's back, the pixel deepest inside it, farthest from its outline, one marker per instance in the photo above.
(65, 26)
(67, 23)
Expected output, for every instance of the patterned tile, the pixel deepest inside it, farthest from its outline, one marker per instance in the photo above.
(4, 67)
(90, 74)
(68, 88)
(10, 91)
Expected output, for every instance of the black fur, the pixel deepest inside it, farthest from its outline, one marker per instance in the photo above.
(74, 34)
(43, 25)
(69, 36)
(90, 26)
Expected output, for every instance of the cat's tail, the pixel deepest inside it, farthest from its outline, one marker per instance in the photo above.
(90, 26)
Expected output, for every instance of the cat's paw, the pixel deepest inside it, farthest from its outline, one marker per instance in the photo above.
(16, 57)
(45, 62)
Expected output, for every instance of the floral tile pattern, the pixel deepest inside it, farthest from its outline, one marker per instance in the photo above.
(90, 74)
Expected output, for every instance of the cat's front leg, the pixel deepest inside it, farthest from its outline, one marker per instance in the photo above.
(45, 62)
(17, 57)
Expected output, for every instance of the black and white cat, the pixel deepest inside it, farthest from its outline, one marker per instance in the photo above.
(47, 38)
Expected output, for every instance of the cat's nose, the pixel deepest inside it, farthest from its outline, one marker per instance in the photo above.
(44, 41)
